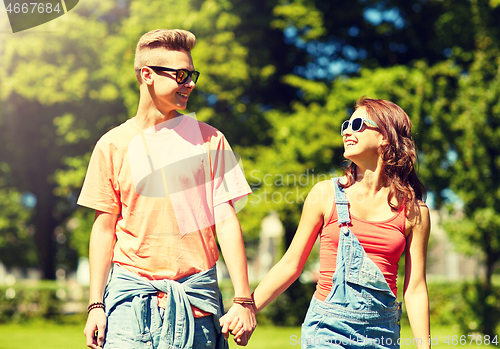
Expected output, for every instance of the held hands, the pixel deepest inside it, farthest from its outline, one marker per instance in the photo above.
(96, 321)
(240, 322)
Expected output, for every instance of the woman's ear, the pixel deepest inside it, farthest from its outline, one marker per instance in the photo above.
(383, 141)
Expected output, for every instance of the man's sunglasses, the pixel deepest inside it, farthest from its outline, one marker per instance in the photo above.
(181, 75)
(356, 124)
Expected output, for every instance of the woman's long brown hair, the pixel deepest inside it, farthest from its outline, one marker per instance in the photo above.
(398, 156)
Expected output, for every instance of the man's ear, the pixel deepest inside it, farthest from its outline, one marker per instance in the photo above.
(147, 75)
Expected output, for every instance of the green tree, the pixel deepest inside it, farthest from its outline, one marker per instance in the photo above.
(16, 240)
(340, 37)
(438, 60)
(64, 88)
(475, 123)
(56, 97)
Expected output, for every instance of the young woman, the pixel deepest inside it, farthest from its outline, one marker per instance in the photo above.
(365, 220)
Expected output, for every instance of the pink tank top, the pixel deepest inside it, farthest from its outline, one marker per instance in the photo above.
(384, 243)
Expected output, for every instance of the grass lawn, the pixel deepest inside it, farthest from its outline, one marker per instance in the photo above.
(280, 338)
(41, 336)
(52, 336)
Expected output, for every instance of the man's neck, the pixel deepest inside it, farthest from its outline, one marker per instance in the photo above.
(149, 116)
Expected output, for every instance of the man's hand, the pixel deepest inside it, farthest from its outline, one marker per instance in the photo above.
(240, 322)
(96, 321)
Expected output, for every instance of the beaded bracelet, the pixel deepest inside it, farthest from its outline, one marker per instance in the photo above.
(95, 306)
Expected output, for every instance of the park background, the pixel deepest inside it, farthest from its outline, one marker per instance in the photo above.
(278, 77)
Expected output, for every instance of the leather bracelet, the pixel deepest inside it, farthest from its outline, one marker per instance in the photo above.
(95, 306)
(243, 300)
(246, 301)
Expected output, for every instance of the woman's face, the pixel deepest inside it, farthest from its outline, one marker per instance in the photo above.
(365, 144)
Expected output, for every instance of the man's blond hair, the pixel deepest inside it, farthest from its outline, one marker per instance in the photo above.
(148, 51)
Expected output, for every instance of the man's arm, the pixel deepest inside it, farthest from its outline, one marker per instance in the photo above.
(233, 249)
(102, 242)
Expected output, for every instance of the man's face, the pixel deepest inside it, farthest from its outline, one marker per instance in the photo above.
(167, 94)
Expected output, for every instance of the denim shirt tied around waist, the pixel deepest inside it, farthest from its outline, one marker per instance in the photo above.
(200, 290)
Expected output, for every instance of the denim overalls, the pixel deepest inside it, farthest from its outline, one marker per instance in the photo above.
(361, 311)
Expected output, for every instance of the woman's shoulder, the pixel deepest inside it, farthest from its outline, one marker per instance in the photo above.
(418, 216)
(322, 196)
(417, 208)
(326, 186)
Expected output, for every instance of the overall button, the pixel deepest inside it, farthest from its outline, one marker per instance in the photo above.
(345, 230)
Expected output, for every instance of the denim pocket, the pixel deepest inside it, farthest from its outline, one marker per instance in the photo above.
(122, 328)
(385, 334)
(205, 335)
(121, 320)
(310, 327)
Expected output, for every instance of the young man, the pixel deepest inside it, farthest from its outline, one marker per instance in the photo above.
(162, 185)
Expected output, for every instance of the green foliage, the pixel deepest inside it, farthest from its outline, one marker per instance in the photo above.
(16, 241)
(303, 15)
(79, 227)
(453, 105)
(56, 100)
(469, 233)
(460, 304)
(20, 304)
(61, 89)
(473, 119)
(290, 308)
(449, 305)
(70, 178)
(484, 304)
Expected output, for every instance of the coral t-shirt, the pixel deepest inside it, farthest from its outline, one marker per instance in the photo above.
(164, 186)
(383, 242)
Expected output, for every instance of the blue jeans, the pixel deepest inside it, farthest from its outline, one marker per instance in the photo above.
(125, 331)
(170, 328)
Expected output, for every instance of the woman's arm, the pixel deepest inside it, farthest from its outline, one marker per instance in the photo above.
(415, 285)
(288, 269)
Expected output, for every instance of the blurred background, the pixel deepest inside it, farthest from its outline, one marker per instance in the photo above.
(278, 77)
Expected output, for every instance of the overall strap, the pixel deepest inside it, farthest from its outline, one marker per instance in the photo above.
(342, 204)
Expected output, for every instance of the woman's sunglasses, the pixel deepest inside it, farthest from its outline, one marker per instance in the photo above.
(181, 75)
(356, 124)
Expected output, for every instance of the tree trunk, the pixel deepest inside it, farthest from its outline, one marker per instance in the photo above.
(45, 225)
(490, 311)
